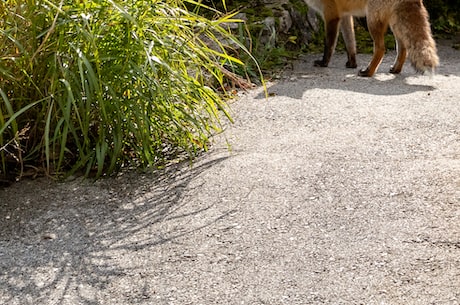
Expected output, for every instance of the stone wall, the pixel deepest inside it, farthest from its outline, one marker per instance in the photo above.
(274, 22)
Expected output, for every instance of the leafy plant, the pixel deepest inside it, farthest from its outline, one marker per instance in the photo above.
(96, 85)
(444, 16)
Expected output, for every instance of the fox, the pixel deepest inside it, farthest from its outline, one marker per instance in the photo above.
(408, 20)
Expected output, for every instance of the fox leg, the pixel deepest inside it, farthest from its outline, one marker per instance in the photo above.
(332, 32)
(377, 29)
(348, 34)
(402, 54)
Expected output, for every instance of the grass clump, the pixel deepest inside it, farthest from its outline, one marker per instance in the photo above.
(95, 85)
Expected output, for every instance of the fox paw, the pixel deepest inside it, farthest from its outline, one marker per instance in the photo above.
(320, 63)
(364, 73)
(351, 64)
(393, 70)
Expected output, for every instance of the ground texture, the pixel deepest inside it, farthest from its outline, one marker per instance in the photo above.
(336, 190)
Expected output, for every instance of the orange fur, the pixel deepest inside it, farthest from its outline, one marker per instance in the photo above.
(408, 20)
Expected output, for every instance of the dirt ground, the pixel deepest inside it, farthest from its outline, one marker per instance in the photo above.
(335, 190)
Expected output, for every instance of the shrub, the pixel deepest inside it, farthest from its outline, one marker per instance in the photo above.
(444, 16)
(96, 85)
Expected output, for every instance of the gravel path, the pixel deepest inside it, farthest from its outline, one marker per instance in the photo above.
(336, 190)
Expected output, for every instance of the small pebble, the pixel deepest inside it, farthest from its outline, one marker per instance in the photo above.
(49, 236)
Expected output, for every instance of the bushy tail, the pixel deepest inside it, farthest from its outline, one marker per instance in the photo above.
(412, 26)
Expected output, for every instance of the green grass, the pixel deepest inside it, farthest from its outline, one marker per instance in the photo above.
(92, 86)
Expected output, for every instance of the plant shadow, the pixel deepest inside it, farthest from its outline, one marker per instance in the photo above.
(60, 242)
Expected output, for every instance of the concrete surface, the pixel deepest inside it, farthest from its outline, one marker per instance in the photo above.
(336, 190)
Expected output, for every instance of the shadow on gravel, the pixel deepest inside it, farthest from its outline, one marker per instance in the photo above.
(303, 76)
(382, 84)
(75, 229)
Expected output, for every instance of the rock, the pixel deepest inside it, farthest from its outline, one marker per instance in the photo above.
(285, 22)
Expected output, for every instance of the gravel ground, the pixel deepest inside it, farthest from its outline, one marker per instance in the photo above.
(336, 190)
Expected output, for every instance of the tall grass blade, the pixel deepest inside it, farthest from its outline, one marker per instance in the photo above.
(107, 84)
